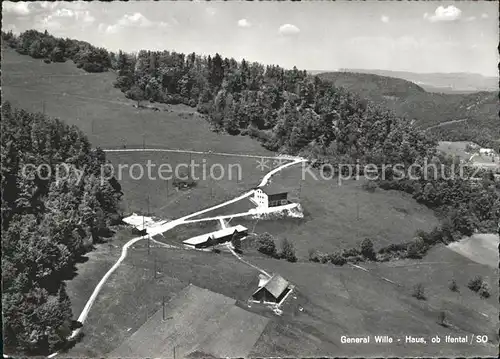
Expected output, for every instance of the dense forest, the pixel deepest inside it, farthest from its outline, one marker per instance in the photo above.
(47, 224)
(247, 97)
(429, 109)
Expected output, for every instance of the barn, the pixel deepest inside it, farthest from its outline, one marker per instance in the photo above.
(273, 290)
(271, 196)
(220, 236)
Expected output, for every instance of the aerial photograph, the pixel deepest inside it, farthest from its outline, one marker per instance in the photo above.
(239, 179)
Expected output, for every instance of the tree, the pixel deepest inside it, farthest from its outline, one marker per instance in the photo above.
(288, 250)
(484, 291)
(475, 283)
(442, 318)
(266, 245)
(137, 94)
(367, 249)
(57, 55)
(453, 286)
(236, 243)
(419, 291)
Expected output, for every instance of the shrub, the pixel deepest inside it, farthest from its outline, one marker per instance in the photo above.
(266, 244)
(236, 242)
(288, 250)
(475, 283)
(484, 291)
(416, 249)
(453, 286)
(419, 291)
(184, 181)
(350, 252)
(367, 249)
(442, 318)
(337, 259)
(93, 67)
(370, 186)
(313, 255)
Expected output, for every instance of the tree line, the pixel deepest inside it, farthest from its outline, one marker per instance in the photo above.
(47, 224)
(288, 111)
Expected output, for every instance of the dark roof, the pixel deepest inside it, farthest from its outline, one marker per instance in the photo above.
(276, 285)
(275, 189)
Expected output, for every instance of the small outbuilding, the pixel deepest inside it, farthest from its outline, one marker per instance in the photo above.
(273, 290)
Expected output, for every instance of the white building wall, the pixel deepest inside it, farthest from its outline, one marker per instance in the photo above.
(487, 151)
(261, 199)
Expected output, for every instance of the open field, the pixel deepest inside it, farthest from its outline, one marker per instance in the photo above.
(465, 309)
(480, 248)
(133, 294)
(454, 149)
(231, 176)
(92, 103)
(93, 266)
(341, 216)
(200, 320)
(349, 301)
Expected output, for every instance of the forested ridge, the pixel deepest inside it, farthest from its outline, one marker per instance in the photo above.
(287, 110)
(47, 224)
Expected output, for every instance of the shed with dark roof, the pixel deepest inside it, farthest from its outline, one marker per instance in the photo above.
(274, 290)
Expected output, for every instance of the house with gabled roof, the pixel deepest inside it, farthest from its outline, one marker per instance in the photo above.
(273, 290)
(272, 195)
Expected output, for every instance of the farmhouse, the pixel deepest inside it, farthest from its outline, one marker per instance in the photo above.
(273, 290)
(271, 196)
(220, 236)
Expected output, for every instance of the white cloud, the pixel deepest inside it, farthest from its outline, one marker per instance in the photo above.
(17, 8)
(65, 17)
(64, 13)
(244, 23)
(384, 19)
(136, 19)
(470, 18)
(449, 13)
(288, 29)
(484, 16)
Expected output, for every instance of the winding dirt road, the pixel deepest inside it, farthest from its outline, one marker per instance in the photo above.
(165, 226)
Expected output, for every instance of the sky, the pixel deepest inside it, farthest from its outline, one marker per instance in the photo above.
(401, 36)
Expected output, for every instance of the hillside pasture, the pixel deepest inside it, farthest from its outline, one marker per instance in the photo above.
(133, 294)
(465, 309)
(231, 176)
(198, 320)
(109, 119)
(480, 248)
(340, 215)
(349, 301)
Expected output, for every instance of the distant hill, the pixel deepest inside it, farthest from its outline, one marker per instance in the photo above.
(457, 82)
(452, 117)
